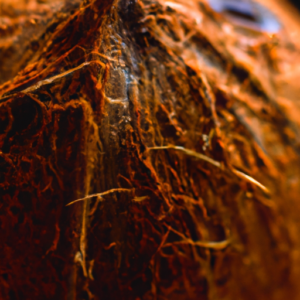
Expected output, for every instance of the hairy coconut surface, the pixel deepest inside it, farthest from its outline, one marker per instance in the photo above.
(149, 150)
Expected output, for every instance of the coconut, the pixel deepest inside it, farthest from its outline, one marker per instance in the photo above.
(149, 150)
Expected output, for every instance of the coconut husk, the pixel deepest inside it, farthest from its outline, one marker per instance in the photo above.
(149, 150)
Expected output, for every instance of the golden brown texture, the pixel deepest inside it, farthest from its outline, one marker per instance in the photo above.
(166, 121)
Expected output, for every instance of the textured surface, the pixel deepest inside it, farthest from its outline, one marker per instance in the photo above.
(164, 107)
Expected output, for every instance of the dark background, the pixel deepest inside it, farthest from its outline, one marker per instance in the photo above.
(296, 3)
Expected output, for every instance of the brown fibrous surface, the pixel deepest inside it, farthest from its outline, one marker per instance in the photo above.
(149, 150)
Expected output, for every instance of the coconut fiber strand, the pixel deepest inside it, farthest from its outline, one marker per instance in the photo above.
(149, 149)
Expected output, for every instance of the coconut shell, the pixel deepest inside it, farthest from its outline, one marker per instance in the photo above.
(149, 150)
